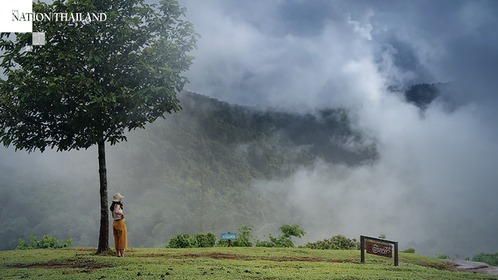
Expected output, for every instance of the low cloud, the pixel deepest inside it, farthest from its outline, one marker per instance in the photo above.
(433, 185)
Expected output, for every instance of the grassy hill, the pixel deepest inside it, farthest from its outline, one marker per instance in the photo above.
(221, 263)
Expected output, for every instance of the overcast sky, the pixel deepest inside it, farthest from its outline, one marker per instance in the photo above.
(436, 177)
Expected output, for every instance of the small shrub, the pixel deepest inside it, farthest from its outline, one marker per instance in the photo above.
(222, 243)
(45, 243)
(243, 237)
(180, 241)
(338, 242)
(491, 259)
(409, 250)
(204, 240)
(294, 230)
(283, 240)
(264, 243)
(196, 241)
(23, 245)
(442, 257)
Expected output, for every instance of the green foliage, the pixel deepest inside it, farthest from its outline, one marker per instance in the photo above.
(294, 230)
(23, 245)
(123, 73)
(243, 237)
(409, 250)
(222, 243)
(93, 81)
(180, 241)
(491, 259)
(443, 257)
(265, 243)
(45, 243)
(283, 240)
(204, 240)
(195, 241)
(338, 242)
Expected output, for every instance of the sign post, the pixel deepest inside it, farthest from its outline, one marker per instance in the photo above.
(379, 247)
(228, 236)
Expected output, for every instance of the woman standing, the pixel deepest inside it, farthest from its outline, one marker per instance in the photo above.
(119, 225)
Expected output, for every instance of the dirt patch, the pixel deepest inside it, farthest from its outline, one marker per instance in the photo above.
(87, 265)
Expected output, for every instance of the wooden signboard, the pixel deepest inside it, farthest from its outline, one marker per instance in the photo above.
(379, 247)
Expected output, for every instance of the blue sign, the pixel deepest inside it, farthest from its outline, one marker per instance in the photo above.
(228, 236)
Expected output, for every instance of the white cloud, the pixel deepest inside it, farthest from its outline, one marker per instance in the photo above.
(434, 179)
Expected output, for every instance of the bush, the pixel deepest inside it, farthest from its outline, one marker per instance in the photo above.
(196, 241)
(409, 250)
(338, 242)
(283, 240)
(264, 243)
(443, 257)
(47, 242)
(294, 230)
(204, 240)
(491, 259)
(180, 241)
(243, 237)
(222, 243)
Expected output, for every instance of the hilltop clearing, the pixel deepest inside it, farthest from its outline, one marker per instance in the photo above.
(222, 263)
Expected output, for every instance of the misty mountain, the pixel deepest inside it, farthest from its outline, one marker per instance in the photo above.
(193, 171)
(422, 95)
(425, 94)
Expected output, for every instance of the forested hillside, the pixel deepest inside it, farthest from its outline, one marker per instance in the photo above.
(191, 172)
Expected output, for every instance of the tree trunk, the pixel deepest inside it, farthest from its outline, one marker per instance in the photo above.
(104, 215)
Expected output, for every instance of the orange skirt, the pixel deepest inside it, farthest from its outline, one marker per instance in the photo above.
(119, 231)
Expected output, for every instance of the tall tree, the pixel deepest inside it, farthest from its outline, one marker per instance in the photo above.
(95, 77)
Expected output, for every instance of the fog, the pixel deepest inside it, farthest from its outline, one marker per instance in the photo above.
(433, 186)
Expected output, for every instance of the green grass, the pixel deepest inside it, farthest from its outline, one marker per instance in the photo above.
(220, 263)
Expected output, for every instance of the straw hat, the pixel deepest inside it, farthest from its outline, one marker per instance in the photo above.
(117, 197)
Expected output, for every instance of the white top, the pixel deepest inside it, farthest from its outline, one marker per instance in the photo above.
(117, 214)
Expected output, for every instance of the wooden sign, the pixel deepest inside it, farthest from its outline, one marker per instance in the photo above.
(379, 249)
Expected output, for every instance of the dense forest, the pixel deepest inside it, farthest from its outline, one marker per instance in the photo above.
(195, 171)
(191, 172)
